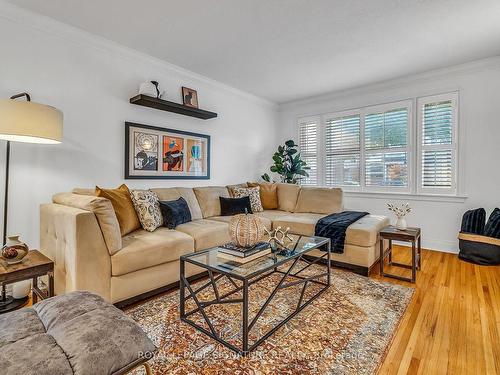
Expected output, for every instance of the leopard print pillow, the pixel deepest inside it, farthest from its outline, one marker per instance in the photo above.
(253, 193)
(147, 206)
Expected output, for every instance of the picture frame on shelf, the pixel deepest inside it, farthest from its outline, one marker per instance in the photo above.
(153, 152)
(189, 97)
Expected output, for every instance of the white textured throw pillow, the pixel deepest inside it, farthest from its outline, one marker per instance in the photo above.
(147, 206)
(253, 193)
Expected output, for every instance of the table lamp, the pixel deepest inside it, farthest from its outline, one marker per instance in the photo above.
(29, 122)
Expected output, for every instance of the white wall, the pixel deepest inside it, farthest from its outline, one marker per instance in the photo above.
(91, 81)
(478, 84)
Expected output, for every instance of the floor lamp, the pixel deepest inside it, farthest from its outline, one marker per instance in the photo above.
(29, 122)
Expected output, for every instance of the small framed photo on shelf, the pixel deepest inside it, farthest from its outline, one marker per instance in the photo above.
(189, 97)
(160, 153)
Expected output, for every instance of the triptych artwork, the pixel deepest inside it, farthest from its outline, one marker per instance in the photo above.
(153, 152)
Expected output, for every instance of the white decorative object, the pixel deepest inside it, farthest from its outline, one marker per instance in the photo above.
(151, 88)
(21, 289)
(401, 210)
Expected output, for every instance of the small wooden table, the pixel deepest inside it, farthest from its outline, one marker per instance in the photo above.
(412, 235)
(33, 265)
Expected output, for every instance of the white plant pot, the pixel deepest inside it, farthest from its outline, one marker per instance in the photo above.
(401, 223)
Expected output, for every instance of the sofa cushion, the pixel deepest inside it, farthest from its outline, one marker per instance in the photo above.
(84, 191)
(206, 233)
(226, 219)
(268, 194)
(364, 232)
(142, 249)
(170, 194)
(319, 200)
(272, 214)
(287, 196)
(103, 211)
(299, 223)
(123, 206)
(208, 199)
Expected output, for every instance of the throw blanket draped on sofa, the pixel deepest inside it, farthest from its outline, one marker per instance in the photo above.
(334, 227)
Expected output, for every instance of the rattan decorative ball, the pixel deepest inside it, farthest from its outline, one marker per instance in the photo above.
(246, 230)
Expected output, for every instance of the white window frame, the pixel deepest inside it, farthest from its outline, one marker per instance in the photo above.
(421, 102)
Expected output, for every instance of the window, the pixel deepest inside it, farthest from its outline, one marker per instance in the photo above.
(386, 153)
(437, 143)
(342, 147)
(374, 149)
(308, 142)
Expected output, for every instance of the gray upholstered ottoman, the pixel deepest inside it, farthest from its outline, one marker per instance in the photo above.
(76, 333)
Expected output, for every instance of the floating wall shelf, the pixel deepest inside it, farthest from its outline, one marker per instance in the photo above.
(165, 105)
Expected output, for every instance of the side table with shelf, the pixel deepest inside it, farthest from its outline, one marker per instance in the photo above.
(33, 265)
(412, 235)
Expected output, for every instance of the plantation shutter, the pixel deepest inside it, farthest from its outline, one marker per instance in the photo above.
(386, 148)
(342, 147)
(437, 143)
(308, 143)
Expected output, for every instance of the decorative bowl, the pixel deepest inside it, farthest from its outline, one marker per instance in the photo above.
(14, 250)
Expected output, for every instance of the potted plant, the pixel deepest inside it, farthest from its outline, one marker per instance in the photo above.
(288, 164)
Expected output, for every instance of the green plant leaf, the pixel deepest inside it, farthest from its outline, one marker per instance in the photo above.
(290, 143)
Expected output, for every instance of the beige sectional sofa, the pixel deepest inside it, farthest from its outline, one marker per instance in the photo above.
(81, 234)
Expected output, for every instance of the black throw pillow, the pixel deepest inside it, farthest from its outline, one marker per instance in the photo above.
(492, 228)
(235, 206)
(175, 213)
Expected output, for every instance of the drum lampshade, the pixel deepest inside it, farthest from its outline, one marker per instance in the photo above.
(25, 121)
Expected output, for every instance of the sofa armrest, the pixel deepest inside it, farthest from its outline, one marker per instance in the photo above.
(72, 238)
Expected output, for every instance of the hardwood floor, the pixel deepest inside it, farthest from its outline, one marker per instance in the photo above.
(452, 325)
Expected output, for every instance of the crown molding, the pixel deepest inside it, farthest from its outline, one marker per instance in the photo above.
(39, 22)
(465, 68)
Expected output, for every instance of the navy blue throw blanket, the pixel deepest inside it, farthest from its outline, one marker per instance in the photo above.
(334, 227)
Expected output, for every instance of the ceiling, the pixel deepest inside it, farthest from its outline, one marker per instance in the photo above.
(284, 50)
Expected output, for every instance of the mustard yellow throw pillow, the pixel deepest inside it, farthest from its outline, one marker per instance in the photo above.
(123, 206)
(268, 194)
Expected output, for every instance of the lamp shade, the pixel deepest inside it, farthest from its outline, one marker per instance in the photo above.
(24, 121)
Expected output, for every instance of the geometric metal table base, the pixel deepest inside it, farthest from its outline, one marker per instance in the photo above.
(246, 283)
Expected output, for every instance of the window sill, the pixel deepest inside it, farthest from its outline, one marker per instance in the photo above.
(407, 196)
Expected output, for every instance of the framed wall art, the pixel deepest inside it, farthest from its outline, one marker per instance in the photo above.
(159, 153)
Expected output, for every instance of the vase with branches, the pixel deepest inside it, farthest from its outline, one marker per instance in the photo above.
(288, 164)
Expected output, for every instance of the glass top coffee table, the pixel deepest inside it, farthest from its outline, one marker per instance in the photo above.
(288, 268)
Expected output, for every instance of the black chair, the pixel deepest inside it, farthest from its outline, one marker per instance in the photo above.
(479, 242)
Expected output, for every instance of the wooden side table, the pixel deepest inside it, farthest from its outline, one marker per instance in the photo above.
(412, 235)
(33, 265)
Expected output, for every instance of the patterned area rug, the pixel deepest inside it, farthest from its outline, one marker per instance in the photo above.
(347, 330)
